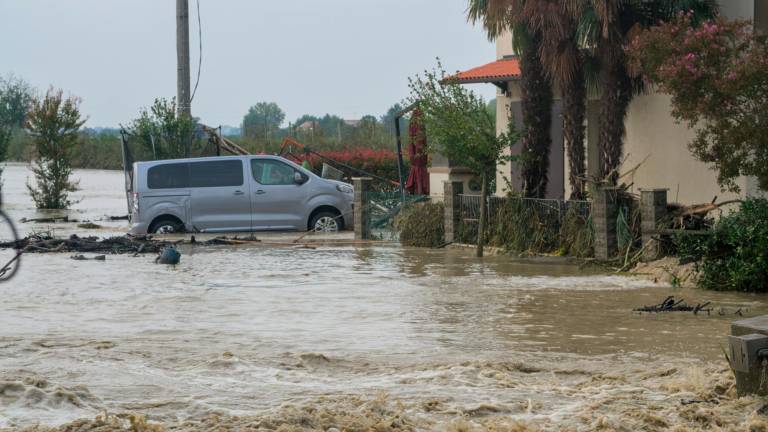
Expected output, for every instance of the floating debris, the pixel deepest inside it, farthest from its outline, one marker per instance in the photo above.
(60, 219)
(89, 225)
(169, 256)
(670, 305)
(84, 258)
(67, 219)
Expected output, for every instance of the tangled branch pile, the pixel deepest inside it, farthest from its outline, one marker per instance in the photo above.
(45, 243)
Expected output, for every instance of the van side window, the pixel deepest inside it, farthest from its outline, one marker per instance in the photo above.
(216, 173)
(168, 176)
(271, 172)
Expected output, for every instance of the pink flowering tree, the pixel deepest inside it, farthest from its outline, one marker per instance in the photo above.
(717, 75)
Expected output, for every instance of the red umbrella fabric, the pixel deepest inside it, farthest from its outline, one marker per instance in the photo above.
(418, 178)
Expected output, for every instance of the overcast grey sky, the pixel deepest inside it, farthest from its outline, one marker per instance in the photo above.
(346, 57)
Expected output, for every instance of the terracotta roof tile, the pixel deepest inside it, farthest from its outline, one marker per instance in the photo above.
(505, 69)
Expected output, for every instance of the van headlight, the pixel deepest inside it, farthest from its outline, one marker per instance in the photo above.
(344, 189)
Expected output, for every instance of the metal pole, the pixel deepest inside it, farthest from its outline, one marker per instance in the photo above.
(182, 57)
(400, 159)
(182, 61)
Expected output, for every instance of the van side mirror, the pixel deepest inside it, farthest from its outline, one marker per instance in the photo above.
(298, 178)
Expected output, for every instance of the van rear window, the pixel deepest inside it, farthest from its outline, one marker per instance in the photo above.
(216, 173)
(168, 176)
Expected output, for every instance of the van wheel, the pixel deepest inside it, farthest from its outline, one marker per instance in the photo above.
(166, 226)
(326, 222)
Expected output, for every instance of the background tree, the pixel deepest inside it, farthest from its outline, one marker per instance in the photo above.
(499, 16)
(161, 133)
(54, 123)
(262, 122)
(388, 119)
(460, 127)
(15, 97)
(717, 77)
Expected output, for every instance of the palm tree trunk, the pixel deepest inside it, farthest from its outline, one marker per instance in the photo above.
(574, 114)
(483, 214)
(614, 104)
(536, 104)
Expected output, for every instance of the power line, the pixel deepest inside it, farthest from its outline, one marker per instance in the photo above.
(200, 56)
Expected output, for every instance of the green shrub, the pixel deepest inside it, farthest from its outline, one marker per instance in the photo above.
(734, 256)
(422, 225)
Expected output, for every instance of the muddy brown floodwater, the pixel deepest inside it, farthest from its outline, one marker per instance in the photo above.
(377, 338)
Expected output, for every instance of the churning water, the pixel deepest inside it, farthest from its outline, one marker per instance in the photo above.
(357, 338)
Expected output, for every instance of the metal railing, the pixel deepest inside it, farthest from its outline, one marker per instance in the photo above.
(384, 208)
(553, 210)
(529, 225)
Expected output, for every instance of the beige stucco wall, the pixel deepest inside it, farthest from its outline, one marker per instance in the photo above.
(738, 9)
(504, 45)
(661, 148)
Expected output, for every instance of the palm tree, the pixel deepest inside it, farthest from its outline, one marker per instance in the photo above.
(605, 27)
(565, 32)
(563, 61)
(497, 17)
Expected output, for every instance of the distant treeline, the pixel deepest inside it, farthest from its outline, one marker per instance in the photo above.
(156, 130)
(101, 148)
(96, 149)
(263, 129)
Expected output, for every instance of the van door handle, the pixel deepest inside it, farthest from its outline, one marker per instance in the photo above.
(260, 192)
(239, 193)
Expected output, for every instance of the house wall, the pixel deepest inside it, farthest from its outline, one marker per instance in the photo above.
(655, 140)
(658, 147)
(653, 137)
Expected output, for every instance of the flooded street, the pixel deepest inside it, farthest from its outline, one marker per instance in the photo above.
(359, 338)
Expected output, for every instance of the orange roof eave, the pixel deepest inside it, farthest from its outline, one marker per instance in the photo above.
(506, 69)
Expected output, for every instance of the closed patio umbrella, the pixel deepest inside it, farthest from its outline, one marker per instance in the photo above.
(418, 178)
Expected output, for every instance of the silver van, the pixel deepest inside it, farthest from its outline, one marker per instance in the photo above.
(234, 193)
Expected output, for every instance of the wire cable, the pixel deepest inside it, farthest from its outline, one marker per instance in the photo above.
(200, 56)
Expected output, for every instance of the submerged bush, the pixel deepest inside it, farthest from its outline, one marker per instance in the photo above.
(422, 225)
(529, 226)
(522, 226)
(734, 256)
(577, 236)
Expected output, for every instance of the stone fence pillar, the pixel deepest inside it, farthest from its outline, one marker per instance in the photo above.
(653, 210)
(748, 354)
(362, 211)
(605, 209)
(452, 203)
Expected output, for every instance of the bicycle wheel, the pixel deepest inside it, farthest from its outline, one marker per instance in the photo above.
(10, 248)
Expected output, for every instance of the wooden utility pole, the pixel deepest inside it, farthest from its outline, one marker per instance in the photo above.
(182, 57)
